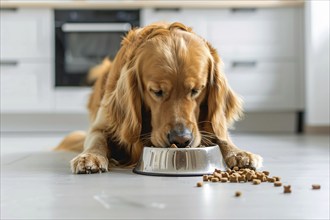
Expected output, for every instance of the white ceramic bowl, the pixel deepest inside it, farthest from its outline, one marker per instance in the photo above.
(180, 161)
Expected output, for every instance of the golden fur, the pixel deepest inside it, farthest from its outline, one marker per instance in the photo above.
(163, 75)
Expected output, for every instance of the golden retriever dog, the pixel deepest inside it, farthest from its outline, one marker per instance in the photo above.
(165, 86)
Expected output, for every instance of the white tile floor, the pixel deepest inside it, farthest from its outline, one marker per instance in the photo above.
(37, 184)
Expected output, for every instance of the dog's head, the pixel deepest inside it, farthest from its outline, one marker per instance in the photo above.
(176, 76)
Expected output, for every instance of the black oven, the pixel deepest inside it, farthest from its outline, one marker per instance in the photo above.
(84, 37)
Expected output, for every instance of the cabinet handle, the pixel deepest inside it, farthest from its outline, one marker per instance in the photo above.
(246, 64)
(8, 9)
(243, 10)
(167, 9)
(8, 63)
(96, 27)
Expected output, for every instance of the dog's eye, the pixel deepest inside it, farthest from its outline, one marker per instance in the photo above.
(159, 93)
(194, 92)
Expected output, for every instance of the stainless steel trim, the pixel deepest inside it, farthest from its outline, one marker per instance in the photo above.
(180, 161)
(8, 62)
(243, 10)
(245, 64)
(96, 27)
(8, 9)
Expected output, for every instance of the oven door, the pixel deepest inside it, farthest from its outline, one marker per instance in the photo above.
(80, 46)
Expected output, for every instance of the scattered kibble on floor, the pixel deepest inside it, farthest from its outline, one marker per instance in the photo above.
(237, 175)
(316, 186)
(277, 183)
(287, 189)
(199, 184)
(238, 194)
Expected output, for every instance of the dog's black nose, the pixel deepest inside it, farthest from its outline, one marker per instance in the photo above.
(180, 136)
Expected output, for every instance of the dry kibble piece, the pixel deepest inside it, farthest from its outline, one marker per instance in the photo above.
(266, 172)
(249, 176)
(233, 179)
(271, 180)
(260, 175)
(264, 179)
(256, 181)
(277, 183)
(214, 179)
(236, 168)
(217, 171)
(242, 178)
(205, 178)
(287, 189)
(238, 194)
(173, 146)
(217, 175)
(236, 174)
(199, 184)
(225, 175)
(224, 180)
(277, 178)
(243, 169)
(316, 186)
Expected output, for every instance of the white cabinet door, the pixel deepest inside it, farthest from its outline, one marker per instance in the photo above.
(252, 33)
(193, 18)
(264, 85)
(26, 86)
(259, 33)
(26, 34)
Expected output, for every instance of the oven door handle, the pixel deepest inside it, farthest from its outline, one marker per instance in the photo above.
(96, 27)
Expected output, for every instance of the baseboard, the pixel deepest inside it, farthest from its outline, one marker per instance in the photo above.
(46, 122)
(317, 129)
(267, 122)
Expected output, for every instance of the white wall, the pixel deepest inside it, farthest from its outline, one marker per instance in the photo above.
(317, 63)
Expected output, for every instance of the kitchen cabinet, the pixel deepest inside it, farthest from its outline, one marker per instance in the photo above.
(254, 33)
(26, 61)
(26, 86)
(266, 85)
(190, 17)
(26, 34)
(261, 48)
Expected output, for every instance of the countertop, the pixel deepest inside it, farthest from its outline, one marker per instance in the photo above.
(133, 4)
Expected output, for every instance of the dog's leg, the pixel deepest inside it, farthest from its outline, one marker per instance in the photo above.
(234, 156)
(95, 156)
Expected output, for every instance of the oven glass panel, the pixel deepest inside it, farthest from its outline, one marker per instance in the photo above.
(84, 50)
(83, 38)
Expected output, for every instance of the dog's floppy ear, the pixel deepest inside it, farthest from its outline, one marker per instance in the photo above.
(129, 105)
(123, 101)
(224, 106)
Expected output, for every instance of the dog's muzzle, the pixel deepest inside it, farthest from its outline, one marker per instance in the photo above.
(180, 136)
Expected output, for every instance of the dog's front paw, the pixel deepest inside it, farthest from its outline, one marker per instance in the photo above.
(89, 163)
(243, 159)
